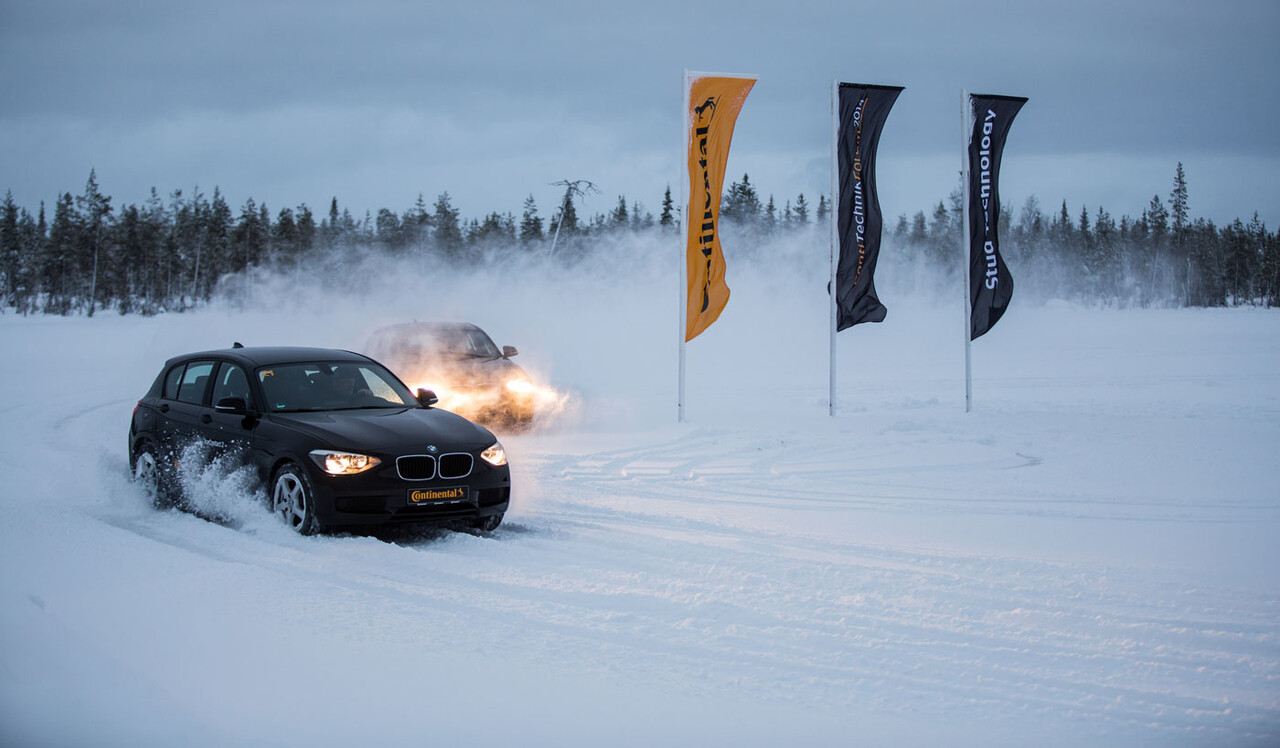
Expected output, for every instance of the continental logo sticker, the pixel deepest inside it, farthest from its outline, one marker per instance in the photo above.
(442, 495)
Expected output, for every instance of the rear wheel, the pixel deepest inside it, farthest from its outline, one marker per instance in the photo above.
(291, 500)
(149, 473)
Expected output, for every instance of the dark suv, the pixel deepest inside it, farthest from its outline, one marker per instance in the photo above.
(337, 440)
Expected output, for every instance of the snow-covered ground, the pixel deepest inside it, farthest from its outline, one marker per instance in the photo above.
(1090, 557)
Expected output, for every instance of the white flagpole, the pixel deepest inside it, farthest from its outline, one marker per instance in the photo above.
(966, 117)
(684, 240)
(834, 234)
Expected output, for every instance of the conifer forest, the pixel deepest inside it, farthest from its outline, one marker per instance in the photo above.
(86, 255)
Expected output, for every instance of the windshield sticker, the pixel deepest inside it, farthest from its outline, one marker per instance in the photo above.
(262, 375)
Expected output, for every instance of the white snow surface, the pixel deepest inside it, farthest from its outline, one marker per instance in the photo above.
(1090, 557)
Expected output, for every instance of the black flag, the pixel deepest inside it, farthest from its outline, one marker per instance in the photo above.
(863, 110)
(990, 285)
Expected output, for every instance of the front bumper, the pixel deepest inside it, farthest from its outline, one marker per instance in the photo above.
(382, 497)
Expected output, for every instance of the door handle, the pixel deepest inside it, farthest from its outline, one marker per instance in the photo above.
(206, 418)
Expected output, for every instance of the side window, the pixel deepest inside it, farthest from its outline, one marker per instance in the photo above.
(171, 381)
(231, 382)
(194, 382)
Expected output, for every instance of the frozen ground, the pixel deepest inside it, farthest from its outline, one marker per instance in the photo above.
(1088, 558)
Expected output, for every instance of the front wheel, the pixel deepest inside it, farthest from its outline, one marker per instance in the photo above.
(291, 500)
(487, 524)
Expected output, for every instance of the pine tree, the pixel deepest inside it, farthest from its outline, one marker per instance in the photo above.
(1178, 202)
(802, 210)
(667, 218)
(1271, 268)
(31, 238)
(307, 231)
(415, 225)
(249, 237)
(1158, 238)
(215, 224)
(566, 223)
(448, 235)
(1029, 234)
(640, 219)
(919, 229)
(387, 230)
(618, 219)
(824, 208)
(284, 238)
(57, 267)
(741, 204)
(942, 245)
(153, 226)
(1178, 211)
(94, 211)
(1207, 283)
(1105, 258)
(330, 227)
(530, 222)
(10, 250)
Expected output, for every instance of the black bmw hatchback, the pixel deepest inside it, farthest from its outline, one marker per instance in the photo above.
(337, 440)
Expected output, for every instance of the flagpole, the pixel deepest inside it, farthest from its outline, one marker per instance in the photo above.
(834, 234)
(966, 128)
(683, 227)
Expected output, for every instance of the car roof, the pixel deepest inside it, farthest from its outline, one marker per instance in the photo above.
(272, 355)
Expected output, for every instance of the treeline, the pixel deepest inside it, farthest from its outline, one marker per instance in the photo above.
(1161, 258)
(170, 254)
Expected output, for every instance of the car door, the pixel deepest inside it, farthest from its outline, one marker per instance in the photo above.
(182, 403)
(229, 433)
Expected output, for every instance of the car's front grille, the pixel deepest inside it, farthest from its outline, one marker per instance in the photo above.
(416, 467)
(450, 466)
(455, 465)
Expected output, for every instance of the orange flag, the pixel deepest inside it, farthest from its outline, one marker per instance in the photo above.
(713, 106)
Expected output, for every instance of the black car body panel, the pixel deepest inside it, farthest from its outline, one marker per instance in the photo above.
(201, 397)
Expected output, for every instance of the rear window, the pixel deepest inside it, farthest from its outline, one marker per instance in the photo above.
(171, 382)
(193, 382)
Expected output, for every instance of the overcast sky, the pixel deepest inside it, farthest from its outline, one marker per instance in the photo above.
(377, 102)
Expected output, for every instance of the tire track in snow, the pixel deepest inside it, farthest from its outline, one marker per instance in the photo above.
(620, 572)
(1121, 647)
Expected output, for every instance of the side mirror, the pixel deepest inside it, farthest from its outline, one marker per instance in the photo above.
(427, 398)
(508, 351)
(235, 405)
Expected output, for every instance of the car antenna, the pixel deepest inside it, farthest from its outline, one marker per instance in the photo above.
(237, 344)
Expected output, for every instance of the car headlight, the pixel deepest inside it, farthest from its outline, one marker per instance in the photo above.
(495, 455)
(520, 386)
(343, 463)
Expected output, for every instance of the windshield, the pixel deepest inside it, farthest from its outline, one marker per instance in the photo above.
(465, 343)
(331, 386)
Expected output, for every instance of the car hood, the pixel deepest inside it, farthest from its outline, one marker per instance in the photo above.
(401, 431)
(469, 370)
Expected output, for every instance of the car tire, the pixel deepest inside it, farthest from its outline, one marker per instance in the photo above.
(487, 524)
(149, 473)
(292, 500)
